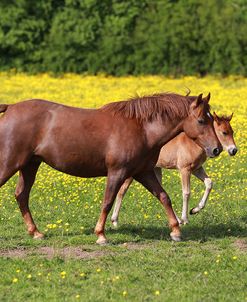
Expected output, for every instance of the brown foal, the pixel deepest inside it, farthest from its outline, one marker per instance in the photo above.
(183, 154)
(119, 140)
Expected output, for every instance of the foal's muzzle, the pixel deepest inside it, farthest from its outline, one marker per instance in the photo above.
(232, 151)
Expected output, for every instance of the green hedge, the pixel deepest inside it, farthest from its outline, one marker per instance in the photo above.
(124, 36)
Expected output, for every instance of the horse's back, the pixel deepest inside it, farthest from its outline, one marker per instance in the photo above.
(31, 119)
(62, 136)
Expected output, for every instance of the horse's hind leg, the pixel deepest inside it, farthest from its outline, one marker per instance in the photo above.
(26, 179)
(119, 199)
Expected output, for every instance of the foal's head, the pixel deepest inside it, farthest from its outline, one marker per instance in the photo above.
(224, 133)
(199, 126)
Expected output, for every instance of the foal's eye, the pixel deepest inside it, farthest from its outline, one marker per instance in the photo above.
(224, 133)
(201, 121)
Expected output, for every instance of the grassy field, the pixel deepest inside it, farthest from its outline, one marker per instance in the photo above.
(141, 263)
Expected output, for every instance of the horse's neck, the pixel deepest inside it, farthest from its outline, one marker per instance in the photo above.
(160, 132)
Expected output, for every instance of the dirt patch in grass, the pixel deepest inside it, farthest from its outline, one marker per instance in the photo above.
(67, 252)
(14, 253)
(241, 245)
(70, 252)
(51, 252)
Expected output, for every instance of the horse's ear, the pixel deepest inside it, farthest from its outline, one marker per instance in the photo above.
(199, 100)
(188, 92)
(216, 118)
(207, 98)
(228, 118)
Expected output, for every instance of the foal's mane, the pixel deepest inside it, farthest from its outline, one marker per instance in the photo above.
(148, 108)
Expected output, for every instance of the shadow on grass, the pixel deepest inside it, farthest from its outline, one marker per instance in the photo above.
(189, 232)
(139, 232)
(201, 233)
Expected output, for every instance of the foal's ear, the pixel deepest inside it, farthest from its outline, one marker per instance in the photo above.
(216, 118)
(207, 98)
(228, 118)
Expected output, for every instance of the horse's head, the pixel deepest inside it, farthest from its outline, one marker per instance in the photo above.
(199, 126)
(224, 133)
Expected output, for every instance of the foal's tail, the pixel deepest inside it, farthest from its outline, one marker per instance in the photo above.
(3, 107)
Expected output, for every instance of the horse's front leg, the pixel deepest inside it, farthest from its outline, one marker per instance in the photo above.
(202, 175)
(114, 181)
(149, 180)
(158, 173)
(124, 188)
(119, 199)
(185, 178)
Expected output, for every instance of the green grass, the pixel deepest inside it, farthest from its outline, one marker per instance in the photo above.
(140, 263)
(177, 271)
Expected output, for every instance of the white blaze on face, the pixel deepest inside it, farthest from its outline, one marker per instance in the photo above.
(209, 115)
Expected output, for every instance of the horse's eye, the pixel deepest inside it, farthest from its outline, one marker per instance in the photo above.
(201, 121)
(224, 133)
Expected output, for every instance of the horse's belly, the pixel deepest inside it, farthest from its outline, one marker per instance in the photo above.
(79, 169)
(76, 163)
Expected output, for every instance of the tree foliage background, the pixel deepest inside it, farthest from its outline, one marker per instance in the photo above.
(120, 37)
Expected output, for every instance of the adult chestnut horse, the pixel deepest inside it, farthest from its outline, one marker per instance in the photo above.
(119, 140)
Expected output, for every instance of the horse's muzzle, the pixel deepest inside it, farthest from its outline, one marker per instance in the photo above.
(212, 152)
(216, 151)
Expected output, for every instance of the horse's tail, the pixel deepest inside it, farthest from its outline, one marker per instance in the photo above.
(3, 107)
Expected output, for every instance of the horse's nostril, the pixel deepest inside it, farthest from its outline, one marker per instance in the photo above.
(216, 151)
(234, 151)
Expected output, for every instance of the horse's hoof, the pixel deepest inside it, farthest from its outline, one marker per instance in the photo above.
(176, 238)
(38, 236)
(102, 241)
(115, 224)
(192, 211)
(184, 221)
